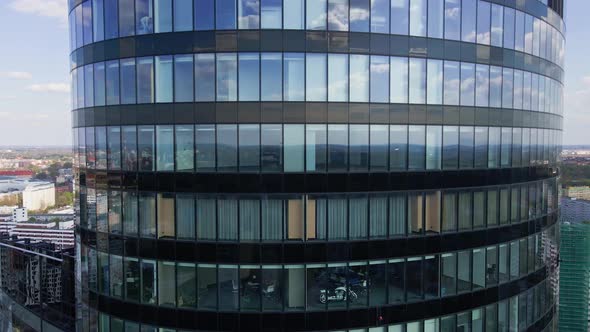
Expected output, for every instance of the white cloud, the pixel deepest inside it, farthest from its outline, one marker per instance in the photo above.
(49, 87)
(16, 75)
(47, 8)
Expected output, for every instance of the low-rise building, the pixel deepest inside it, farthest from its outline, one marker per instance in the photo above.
(34, 195)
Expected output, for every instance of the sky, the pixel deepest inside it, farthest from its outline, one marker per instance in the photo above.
(34, 88)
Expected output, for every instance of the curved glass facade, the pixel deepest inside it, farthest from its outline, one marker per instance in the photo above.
(317, 165)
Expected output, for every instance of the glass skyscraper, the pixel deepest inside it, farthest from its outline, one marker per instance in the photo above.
(317, 165)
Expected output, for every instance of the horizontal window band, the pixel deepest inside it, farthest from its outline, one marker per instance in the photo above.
(312, 42)
(270, 183)
(310, 112)
(313, 251)
(315, 321)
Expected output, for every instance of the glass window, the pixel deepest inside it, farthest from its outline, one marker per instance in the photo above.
(359, 147)
(163, 10)
(204, 77)
(418, 18)
(452, 20)
(112, 82)
(400, 17)
(144, 18)
(494, 147)
(479, 272)
(206, 218)
(316, 81)
(466, 147)
(227, 217)
(126, 18)
(248, 14)
(337, 77)
(114, 148)
(114, 212)
(166, 284)
(518, 89)
(452, 82)
(249, 220)
(482, 85)
(491, 266)
(359, 15)
(99, 84)
(397, 215)
(359, 78)
(417, 147)
(434, 85)
(89, 85)
(378, 147)
(431, 274)
(398, 147)
(506, 148)
(130, 213)
(468, 20)
(129, 148)
(316, 152)
(186, 283)
(481, 147)
(479, 211)
(204, 16)
(185, 216)
(399, 80)
(128, 81)
(184, 152)
(145, 80)
(464, 271)
(338, 147)
(272, 219)
(338, 15)
(503, 261)
(249, 151)
(519, 32)
(358, 211)
(380, 16)
(414, 279)
(205, 147)
(111, 16)
(148, 281)
(227, 141)
(165, 148)
(449, 221)
(497, 25)
(164, 73)
(483, 22)
(492, 208)
(432, 213)
(147, 215)
(294, 142)
(165, 210)
(495, 86)
(509, 16)
(293, 80)
(225, 14)
(132, 273)
(450, 147)
(98, 20)
(116, 275)
(465, 212)
(293, 13)
(379, 79)
(378, 216)
(226, 76)
(271, 72)
(207, 286)
(415, 215)
(271, 16)
(417, 81)
(528, 34)
(316, 15)
(433, 147)
(448, 282)
(271, 148)
(183, 78)
(467, 84)
(183, 15)
(249, 76)
(101, 148)
(435, 18)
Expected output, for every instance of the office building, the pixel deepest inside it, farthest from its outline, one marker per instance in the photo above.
(33, 195)
(317, 165)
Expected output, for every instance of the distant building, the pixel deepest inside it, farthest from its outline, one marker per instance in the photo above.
(36, 287)
(574, 297)
(17, 172)
(579, 192)
(34, 195)
(20, 215)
